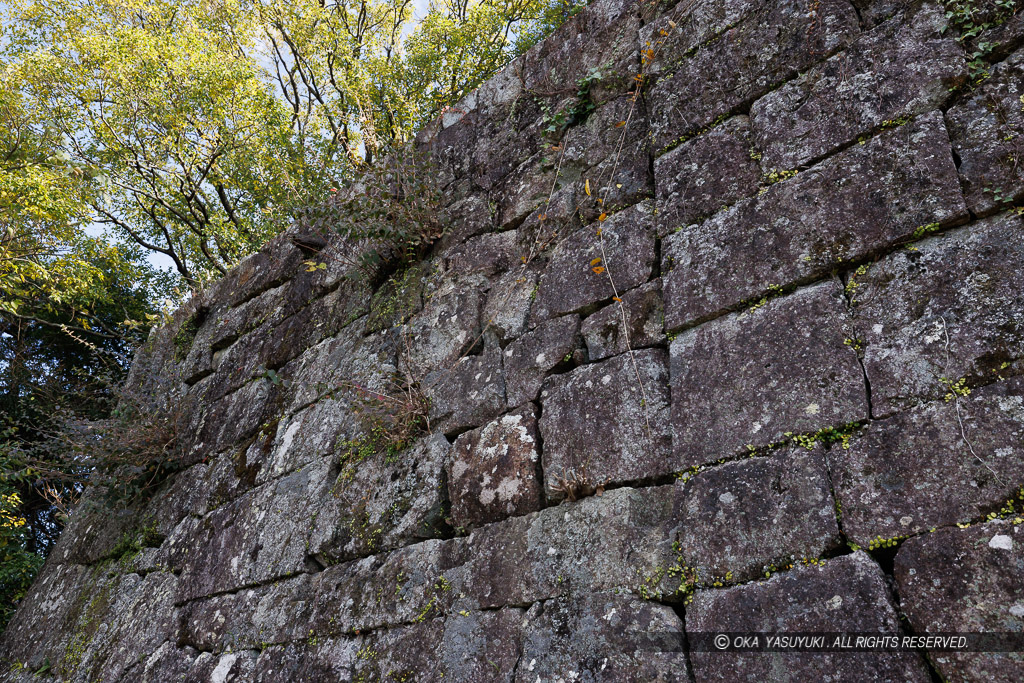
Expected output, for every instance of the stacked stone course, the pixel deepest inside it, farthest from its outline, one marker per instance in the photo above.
(799, 407)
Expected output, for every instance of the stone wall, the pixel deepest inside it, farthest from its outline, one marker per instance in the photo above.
(771, 381)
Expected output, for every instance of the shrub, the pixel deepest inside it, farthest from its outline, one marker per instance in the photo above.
(386, 217)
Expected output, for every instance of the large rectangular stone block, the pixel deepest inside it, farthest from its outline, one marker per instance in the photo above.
(908, 65)
(748, 379)
(492, 472)
(858, 202)
(950, 308)
(600, 543)
(735, 521)
(577, 276)
(763, 49)
(604, 424)
(847, 594)
(987, 131)
(613, 637)
(966, 581)
(705, 174)
(940, 464)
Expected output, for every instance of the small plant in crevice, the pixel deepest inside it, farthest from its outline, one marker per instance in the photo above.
(386, 218)
(971, 18)
(390, 421)
(574, 484)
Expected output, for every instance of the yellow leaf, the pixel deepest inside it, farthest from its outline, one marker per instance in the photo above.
(595, 261)
(598, 269)
(602, 216)
(586, 187)
(620, 124)
(615, 298)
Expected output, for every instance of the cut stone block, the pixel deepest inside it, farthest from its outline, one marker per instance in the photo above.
(736, 520)
(966, 581)
(914, 471)
(864, 199)
(847, 594)
(380, 502)
(951, 308)
(766, 47)
(596, 544)
(907, 66)
(986, 131)
(530, 358)
(705, 174)
(570, 282)
(468, 394)
(492, 471)
(603, 424)
(645, 316)
(748, 379)
(603, 637)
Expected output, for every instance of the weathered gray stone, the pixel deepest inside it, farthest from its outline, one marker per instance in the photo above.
(508, 304)
(336, 366)
(906, 66)
(1004, 33)
(487, 255)
(596, 544)
(529, 359)
(644, 314)
(598, 44)
(92, 623)
(674, 29)
(468, 394)
(479, 647)
(915, 471)
(705, 174)
(766, 47)
(577, 276)
(405, 586)
(277, 262)
(380, 501)
(874, 12)
(736, 521)
(124, 621)
(170, 663)
(268, 528)
(446, 329)
(252, 618)
(949, 309)
(611, 150)
(865, 199)
(603, 637)
(50, 611)
(492, 471)
(608, 422)
(987, 131)
(464, 219)
(407, 652)
(211, 427)
(96, 530)
(750, 378)
(966, 581)
(397, 300)
(847, 594)
(510, 128)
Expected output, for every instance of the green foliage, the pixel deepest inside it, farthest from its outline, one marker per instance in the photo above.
(388, 215)
(970, 19)
(18, 565)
